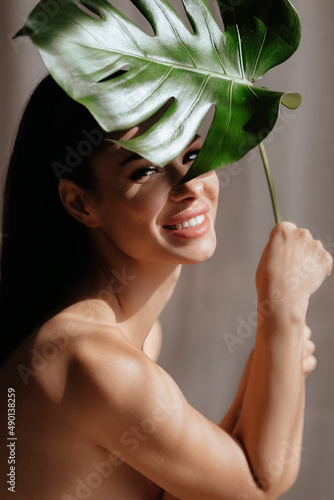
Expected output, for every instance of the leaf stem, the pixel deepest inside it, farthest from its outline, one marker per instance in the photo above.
(272, 190)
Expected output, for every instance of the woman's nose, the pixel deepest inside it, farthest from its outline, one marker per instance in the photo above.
(191, 190)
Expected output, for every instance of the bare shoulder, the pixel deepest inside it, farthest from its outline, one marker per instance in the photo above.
(97, 359)
(112, 381)
(117, 370)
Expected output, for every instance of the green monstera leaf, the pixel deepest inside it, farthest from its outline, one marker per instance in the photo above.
(83, 49)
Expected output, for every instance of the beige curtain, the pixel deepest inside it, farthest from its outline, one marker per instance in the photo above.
(216, 297)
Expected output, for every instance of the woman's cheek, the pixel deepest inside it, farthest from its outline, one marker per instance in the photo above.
(213, 183)
(212, 189)
(146, 199)
(132, 191)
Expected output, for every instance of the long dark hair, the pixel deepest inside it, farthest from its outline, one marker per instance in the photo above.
(44, 249)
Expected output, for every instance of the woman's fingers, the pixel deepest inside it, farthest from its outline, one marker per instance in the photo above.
(307, 332)
(309, 360)
(309, 365)
(309, 348)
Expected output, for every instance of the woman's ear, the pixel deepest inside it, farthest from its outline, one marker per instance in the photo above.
(78, 203)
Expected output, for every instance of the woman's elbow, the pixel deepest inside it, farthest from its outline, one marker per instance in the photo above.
(278, 479)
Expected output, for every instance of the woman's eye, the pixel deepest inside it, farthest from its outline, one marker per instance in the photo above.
(190, 156)
(144, 173)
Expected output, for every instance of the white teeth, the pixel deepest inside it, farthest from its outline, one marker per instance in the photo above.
(194, 222)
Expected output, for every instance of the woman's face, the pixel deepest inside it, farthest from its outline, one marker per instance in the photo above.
(147, 215)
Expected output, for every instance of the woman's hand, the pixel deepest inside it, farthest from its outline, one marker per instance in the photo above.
(292, 268)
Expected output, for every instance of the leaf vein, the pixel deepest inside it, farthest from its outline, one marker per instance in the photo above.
(241, 58)
(132, 38)
(215, 49)
(107, 69)
(200, 92)
(230, 110)
(168, 63)
(177, 35)
(259, 53)
(163, 79)
(254, 94)
(81, 26)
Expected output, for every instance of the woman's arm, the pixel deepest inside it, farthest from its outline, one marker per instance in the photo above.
(271, 419)
(229, 421)
(231, 418)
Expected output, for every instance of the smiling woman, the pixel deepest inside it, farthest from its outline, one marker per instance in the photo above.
(92, 258)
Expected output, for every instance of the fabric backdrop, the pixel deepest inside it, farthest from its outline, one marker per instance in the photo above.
(214, 298)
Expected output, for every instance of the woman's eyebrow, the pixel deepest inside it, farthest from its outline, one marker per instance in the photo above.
(134, 156)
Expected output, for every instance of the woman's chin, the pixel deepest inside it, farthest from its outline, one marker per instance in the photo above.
(201, 259)
(199, 254)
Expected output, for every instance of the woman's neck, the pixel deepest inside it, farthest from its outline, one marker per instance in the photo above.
(134, 292)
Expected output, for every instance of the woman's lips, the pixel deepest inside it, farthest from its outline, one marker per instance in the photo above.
(187, 215)
(192, 227)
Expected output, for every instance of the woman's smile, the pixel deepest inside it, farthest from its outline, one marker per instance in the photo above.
(192, 223)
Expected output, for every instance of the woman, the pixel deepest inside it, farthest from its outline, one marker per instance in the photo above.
(96, 240)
